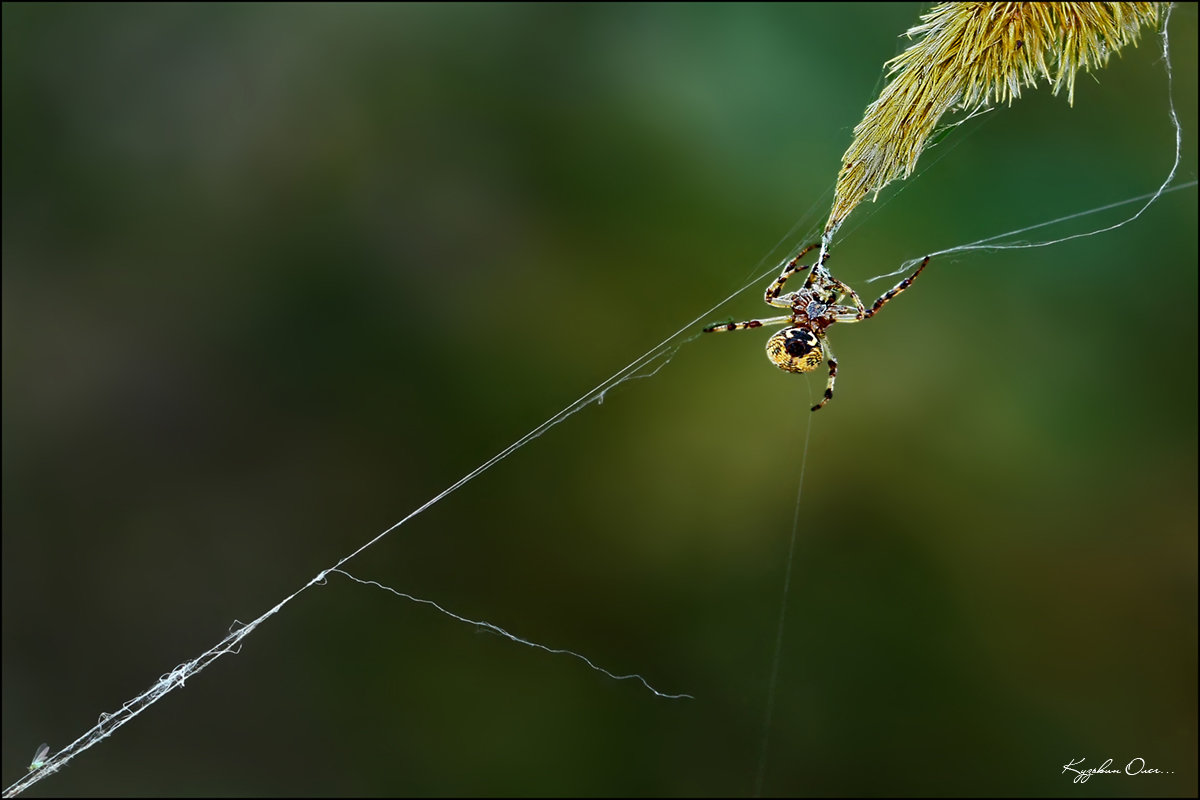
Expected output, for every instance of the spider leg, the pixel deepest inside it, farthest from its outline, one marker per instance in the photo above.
(860, 311)
(789, 269)
(829, 384)
(722, 327)
(897, 289)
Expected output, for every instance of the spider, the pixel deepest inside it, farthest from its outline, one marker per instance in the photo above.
(798, 347)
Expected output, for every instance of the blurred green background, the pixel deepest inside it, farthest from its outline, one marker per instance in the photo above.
(276, 275)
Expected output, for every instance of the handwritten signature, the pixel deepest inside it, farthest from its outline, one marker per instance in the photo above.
(1137, 766)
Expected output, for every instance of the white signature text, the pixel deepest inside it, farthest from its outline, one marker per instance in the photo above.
(1136, 766)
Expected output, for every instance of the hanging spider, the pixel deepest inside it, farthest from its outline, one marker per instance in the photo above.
(798, 347)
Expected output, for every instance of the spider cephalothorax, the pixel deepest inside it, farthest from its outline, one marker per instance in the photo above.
(801, 346)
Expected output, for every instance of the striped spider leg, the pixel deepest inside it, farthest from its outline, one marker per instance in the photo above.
(801, 346)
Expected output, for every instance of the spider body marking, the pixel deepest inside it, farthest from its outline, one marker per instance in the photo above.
(801, 346)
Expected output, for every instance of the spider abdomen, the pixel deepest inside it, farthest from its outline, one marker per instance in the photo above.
(795, 350)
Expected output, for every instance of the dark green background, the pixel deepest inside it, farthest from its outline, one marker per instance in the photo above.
(274, 276)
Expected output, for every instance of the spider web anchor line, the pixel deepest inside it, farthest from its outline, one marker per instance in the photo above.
(984, 244)
(492, 628)
(109, 722)
(231, 643)
(781, 627)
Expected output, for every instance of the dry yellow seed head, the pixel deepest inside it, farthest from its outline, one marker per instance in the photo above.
(971, 55)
